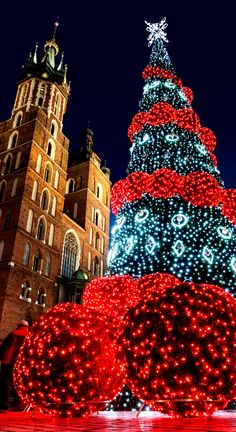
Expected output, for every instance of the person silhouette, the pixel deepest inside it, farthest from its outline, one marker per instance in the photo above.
(9, 350)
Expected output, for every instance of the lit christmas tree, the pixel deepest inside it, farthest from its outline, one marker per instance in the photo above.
(173, 213)
(174, 220)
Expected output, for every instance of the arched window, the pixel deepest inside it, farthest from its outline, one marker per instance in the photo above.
(41, 94)
(48, 265)
(41, 229)
(39, 163)
(37, 261)
(56, 180)
(1, 248)
(57, 105)
(97, 241)
(18, 158)
(51, 235)
(14, 187)
(6, 166)
(101, 268)
(23, 95)
(99, 191)
(44, 202)
(7, 219)
(12, 140)
(26, 254)
(48, 172)
(102, 245)
(104, 223)
(30, 221)
(70, 185)
(51, 149)
(35, 190)
(54, 128)
(3, 186)
(41, 297)
(91, 236)
(18, 119)
(98, 218)
(75, 211)
(54, 206)
(92, 218)
(25, 291)
(71, 254)
(89, 260)
(96, 266)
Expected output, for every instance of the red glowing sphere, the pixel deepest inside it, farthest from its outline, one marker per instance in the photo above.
(179, 348)
(67, 361)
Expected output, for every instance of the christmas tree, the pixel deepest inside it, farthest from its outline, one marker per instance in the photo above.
(173, 213)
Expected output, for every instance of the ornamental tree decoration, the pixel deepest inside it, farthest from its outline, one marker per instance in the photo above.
(67, 360)
(179, 345)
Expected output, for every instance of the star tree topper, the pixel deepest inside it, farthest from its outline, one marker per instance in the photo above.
(157, 31)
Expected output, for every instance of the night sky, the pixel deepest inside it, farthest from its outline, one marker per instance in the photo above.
(105, 45)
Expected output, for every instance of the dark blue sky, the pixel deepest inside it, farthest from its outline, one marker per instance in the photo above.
(105, 45)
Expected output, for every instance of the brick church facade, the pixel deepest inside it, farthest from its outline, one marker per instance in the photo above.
(54, 216)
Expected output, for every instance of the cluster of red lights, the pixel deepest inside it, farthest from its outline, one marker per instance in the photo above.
(163, 112)
(179, 348)
(198, 188)
(68, 359)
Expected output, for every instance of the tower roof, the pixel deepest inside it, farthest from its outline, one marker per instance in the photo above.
(46, 67)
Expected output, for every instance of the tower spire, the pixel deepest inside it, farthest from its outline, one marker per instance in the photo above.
(51, 48)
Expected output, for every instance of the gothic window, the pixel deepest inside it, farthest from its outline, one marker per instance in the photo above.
(44, 200)
(37, 261)
(25, 260)
(56, 181)
(25, 291)
(57, 105)
(3, 186)
(23, 96)
(48, 172)
(70, 185)
(39, 164)
(54, 206)
(54, 128)
(6, 166)
(41, 94)
(14, 187)
(71, 250)
(104, 224)
(98, 218)
(41, 229)
(30, 221)
(99, 191)
(97, 241)
(41, 297)
(102, 245)
(7, 219)
(96, 266)
(51, 235)
(89, 260)
(1, 248)
(12, 140)
(35, 190)
(18, 158)
(51, 150)
(48, 265)
(18, 119)
(102, 268)
(91, 236)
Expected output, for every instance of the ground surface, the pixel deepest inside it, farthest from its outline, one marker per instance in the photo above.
(116, 422)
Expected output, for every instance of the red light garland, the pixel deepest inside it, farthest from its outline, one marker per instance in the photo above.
(154, 71)
(207, 137)
(68, 357)
(179, 345)
(198, 188)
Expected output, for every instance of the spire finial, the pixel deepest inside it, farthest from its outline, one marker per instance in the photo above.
(35, 53)
(156, 31)
(56, 24)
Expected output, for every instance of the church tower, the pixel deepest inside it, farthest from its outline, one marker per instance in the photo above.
(36, 236)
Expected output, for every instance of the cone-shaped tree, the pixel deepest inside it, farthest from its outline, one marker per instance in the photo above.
(173, 213)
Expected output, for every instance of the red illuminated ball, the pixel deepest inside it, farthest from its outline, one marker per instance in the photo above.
(179, 346)
(66, 361)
